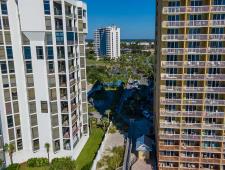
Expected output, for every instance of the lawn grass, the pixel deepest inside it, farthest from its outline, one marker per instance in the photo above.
(87, 155)
(24, 167)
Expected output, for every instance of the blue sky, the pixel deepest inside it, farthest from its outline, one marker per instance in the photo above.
(136, 18)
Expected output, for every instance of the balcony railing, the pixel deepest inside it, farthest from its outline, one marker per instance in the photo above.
(169, 136)
(212, 138)
(191, 148)
(189, 159)
(179, 89)
(193, 37)
(214, 77)
(213, 126)
(169, 158)
(193, 9)
(169, 147)
(169, 124)
(191, 137)
(192, 23)
(191, 125)
(192, 114)
(183, 51)
(211, 160)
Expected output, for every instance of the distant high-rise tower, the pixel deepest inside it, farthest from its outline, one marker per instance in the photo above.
(190, 84)
(43, 96)
(107, 42)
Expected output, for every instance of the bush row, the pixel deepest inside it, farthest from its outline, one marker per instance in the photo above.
(37, 162)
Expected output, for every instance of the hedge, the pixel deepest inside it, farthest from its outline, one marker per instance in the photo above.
(37, 162)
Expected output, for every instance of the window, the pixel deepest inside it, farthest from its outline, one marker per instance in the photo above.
(50, 55)
(3, 67)
(36, 145)
(40, 52)
(59, 38)
(47, 7)
(27, 53)
(44, 107)
(11, 67)
(19, 144)
(28, 67)
(48, 38)
(5, 81)
(11, 134)
(219, 2)
(33, 120)
(10, 121)
(17, 119)
(4, 8)
(55, 121)
(31, 94)
(54, 108)
(32, 107)
(196, 3)
(9, 52)
(16, 107)
(5, 23)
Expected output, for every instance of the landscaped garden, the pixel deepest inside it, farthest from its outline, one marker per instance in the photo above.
(83, 162)
(87, 155)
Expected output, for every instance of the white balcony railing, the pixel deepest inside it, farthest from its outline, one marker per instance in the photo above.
(192, 23)
(193, 37)
(183, 51)
(193, 9)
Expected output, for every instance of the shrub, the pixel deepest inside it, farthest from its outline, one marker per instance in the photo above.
(112, 129)
(37, 162)
(13, 167)
(62, 164)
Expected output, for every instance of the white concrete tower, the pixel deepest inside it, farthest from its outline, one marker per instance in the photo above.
(43, 77)
(107, 42)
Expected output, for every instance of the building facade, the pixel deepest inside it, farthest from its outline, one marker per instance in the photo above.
(190, 84)
(107, 42)
(43, 77)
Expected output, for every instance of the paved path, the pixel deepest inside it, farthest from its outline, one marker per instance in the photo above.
(141, 165)
(113, 140)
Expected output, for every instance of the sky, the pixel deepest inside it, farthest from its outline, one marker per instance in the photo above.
(136, 18)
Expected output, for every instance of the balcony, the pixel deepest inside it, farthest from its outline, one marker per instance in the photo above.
(168, 101)
(191, 148)
(169, 136)
(168, 158)
(165, 101)
(170, 113)
(211, 149)
(192, 23)
(193, 9)
(169, 125)
(213, 126)
(183, 51)
(214, 102)
(212, 138)
(193, 37)
(169, 147)
(191, 125)
(214, 114)
(211, 160)
(189, 159)
(189, 64)
(191, 137)
(208, 77)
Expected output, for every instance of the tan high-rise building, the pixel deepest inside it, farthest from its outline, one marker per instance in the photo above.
(190, 84)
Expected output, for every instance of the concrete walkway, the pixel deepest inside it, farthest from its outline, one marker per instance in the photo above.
(141, 165)
(114, 140)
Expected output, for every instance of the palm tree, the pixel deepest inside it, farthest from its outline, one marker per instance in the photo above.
(47, 147)
(10, 148)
